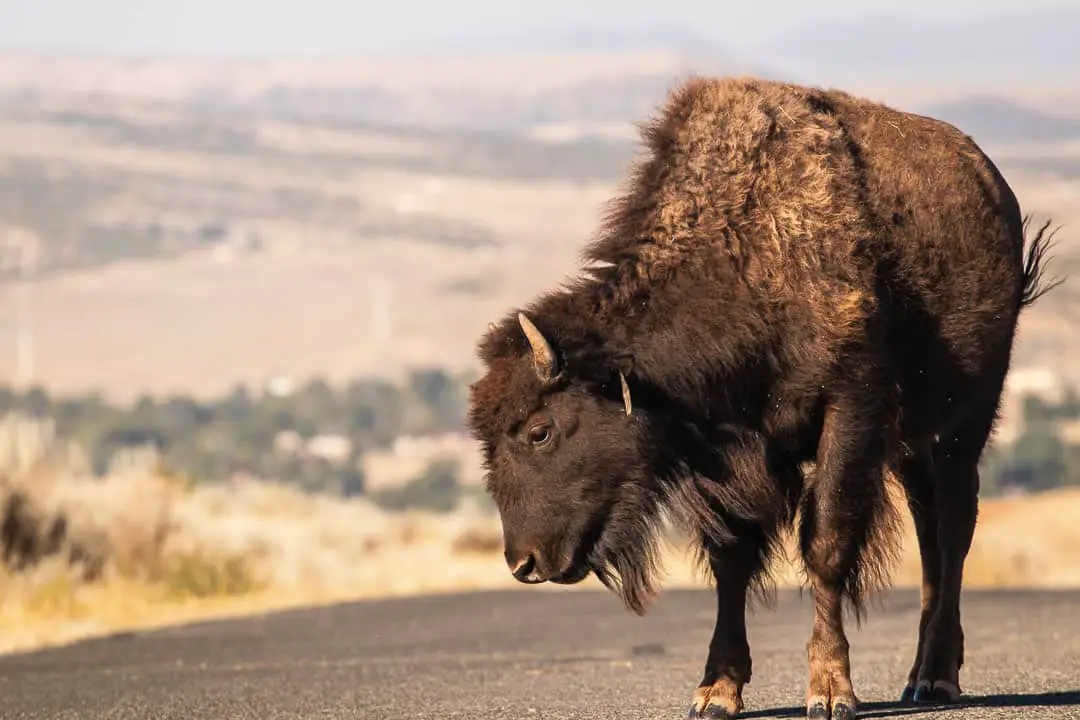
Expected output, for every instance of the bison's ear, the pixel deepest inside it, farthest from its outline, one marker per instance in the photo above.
(545, 361)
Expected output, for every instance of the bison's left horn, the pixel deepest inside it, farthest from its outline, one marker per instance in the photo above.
(543, 355)
(625, 393)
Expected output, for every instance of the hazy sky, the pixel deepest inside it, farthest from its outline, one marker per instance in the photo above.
(246, 27)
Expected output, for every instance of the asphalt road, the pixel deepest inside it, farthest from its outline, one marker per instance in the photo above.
(532, 653)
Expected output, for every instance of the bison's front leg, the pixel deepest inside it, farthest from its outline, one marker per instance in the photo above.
(728, 666)
(837, 514)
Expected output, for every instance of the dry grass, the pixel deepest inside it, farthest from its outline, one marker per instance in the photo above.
(87, 556)
(141, 551)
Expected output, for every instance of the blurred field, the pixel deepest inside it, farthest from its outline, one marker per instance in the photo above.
(378, 248)
(87, 557)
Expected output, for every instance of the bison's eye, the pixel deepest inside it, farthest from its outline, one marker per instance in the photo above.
(540, 434)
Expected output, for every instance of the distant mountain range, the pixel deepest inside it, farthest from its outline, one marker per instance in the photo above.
(593, 39)
(864, 44)
(983, 57)
(589, 76)
(481, 90)
(996, 119)
(1043, 45)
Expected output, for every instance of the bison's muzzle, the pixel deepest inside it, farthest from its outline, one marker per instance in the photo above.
(524, 569)
(531, 568)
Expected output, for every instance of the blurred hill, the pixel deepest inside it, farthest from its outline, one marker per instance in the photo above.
(192, 223)
(996, 119)
(1031, 45)
(475, 88)
(586, 73)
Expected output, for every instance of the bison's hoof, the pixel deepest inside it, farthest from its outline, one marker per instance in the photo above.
(711, 712)
(705, 708)
(938, 692)
(840, 710)
(908, 696)
(722, 701)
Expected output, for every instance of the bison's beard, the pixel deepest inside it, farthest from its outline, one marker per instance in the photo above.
(625, 557)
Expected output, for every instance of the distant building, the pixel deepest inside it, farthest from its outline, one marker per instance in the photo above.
(1037, 380)
(135, 459)
(280, 386)
(1069, 432)
(328, 446)
(236, 242)
(24, 441)
(19, 246)
(335, 448)
(289, 442)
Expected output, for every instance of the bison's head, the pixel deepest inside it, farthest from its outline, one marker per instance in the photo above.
(571, 463)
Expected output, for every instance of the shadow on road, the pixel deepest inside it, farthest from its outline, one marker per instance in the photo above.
(888, 710)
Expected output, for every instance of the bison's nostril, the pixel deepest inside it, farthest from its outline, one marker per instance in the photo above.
(525, 568)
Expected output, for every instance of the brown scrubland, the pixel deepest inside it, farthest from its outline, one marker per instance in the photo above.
(87, 556)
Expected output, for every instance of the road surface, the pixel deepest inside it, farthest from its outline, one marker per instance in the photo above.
(542, 654)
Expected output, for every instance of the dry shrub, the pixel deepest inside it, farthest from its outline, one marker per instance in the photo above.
(478, 540)
(37, 524)
(196, 575)
(224, 539)
(118, 527)
(407, 530)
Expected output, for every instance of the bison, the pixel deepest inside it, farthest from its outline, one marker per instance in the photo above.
(799, 297)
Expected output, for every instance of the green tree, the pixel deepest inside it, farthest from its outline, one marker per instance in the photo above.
(36, 402)
(352, 482)
(1035, 410)
(1070, 404)
(436, 489)
(238, 406)
(1072, 464)
(991, 467)
(8, 400)
(1038, 457)
(239, 431)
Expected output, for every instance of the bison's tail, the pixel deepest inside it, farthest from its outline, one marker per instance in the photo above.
(1035, 258)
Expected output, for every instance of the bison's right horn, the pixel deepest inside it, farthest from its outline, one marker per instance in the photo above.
(543, 354)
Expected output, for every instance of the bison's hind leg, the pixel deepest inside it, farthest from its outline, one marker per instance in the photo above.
(956, 463)
(919, 478)
(846, 533)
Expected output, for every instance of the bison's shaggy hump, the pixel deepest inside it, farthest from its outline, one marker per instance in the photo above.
(766, 172)
(800, 190)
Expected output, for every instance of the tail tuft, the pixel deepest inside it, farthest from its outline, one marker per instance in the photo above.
(1035, 257)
